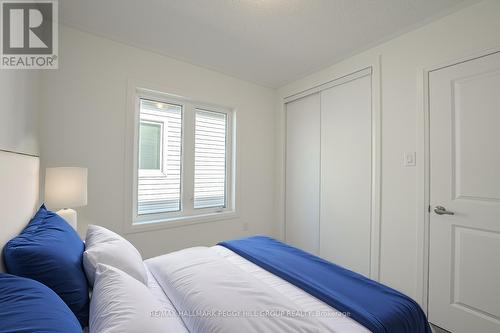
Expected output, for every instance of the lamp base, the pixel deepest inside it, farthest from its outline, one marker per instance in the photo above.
(69, 215)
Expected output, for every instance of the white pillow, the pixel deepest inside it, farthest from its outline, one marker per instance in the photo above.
(121, 304)
(103, 246)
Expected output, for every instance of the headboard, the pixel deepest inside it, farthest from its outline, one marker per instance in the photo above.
(19, 194)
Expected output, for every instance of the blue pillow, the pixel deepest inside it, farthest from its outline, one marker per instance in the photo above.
(27, 306)
(50, 251)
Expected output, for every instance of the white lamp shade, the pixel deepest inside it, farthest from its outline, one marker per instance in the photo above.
(66, 187)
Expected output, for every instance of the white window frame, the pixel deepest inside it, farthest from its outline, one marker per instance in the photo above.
(187, 213)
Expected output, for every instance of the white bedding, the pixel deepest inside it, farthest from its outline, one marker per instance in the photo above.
(176, 324)
(216, 290)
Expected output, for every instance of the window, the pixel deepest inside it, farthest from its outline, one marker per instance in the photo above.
(150, 148)
(210, 159)
(183, 159)
(159, 176)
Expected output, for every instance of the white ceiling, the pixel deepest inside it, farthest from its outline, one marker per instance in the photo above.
(270, 42)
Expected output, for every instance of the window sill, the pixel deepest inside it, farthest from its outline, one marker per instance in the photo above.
(180, 221)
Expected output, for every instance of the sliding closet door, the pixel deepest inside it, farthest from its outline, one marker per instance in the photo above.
(302, 173)
(346, 166)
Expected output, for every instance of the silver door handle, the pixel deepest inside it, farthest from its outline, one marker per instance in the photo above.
(440, 210)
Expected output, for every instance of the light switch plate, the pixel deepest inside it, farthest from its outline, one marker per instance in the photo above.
(410, 159)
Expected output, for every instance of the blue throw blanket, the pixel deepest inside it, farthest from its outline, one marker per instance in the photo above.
(375, 306)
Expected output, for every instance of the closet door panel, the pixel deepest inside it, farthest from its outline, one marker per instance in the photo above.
(302, 173)
(346, 166)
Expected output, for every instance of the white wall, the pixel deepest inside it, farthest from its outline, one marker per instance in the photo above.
(403, 59)
(19, 96)
(83, 124)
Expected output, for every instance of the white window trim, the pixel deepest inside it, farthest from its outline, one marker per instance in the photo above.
(187, 215)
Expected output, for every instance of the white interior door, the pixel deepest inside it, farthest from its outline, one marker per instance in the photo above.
(464, 267)
(346, 173)
(303, 173)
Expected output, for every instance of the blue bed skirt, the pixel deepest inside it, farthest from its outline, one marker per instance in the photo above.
(376, 306)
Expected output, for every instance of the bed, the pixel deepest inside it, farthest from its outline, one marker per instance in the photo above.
(262, 291)
(252, 285)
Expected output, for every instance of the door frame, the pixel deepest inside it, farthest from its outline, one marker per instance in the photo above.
(376, 170)
(423, 170)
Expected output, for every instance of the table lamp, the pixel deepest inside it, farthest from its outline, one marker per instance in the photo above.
(65, 189)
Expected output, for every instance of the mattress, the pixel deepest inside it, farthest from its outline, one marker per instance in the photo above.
(316, 316)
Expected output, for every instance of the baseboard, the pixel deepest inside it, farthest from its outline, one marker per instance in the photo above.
(437, 329)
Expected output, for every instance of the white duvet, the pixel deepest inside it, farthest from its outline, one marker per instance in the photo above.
(215, 290)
